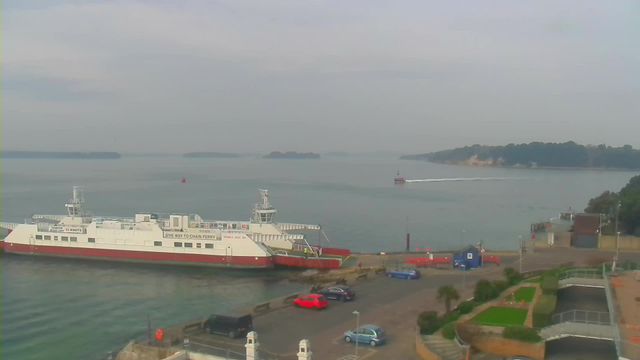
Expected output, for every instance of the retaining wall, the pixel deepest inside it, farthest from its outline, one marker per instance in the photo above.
(508, 347)
(625, 243)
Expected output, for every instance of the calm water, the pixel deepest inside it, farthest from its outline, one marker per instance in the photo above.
(60, 309)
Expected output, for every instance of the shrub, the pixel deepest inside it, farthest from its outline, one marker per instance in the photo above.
(451, 317)
(465, 307)
(500, 285)
(512, 275)
(429, 322)
(543, 309)
(549, 285)
(484, 291)
(520, 333)
(449, 331)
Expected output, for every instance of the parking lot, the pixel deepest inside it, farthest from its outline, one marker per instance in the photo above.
(392, 304)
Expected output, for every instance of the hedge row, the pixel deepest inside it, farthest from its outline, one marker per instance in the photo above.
(543, 309)
(449, 331)
(549, 285)
(521, 333)
(429, 321)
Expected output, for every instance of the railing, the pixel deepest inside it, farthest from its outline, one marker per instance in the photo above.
(194, 347)
(581, 273)
(226, 353)
(582, 316)
(612, 311)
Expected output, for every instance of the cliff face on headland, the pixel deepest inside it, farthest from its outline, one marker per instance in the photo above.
(537, 154)
(9, 154)
(291, 155)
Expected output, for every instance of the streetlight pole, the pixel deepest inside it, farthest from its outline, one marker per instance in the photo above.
(464, 277)
(520, 254)
(617, 232)
(357, 314)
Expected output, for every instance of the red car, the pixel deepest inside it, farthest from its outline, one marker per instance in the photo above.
(312, 301)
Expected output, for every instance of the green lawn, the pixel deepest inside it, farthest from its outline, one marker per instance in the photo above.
(535, 280)
(501, 316)
(525, 293)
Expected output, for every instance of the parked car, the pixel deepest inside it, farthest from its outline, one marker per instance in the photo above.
(281, 252)
(338, 292)
(312, 301)
(370, 334)
(231, 325)
(408, 273)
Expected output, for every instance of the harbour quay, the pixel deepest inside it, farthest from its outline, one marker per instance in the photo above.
(390, 303)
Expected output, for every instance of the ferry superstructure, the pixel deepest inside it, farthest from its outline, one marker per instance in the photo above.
(184, 239)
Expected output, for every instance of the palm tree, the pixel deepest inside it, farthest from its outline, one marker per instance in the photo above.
(447, 293)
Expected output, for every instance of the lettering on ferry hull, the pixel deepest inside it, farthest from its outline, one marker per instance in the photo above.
(169, 235)
(66, 229)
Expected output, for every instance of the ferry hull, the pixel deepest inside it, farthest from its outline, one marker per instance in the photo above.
(247, 262)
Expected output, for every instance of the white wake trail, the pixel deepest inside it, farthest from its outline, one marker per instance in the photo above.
(466, 179)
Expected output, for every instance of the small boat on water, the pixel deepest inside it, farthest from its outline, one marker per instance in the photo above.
(399, 179)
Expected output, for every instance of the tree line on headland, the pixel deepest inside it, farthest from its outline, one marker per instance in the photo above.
(628, 214)
(538, 154)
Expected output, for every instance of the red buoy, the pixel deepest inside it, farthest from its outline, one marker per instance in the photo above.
(184, 180)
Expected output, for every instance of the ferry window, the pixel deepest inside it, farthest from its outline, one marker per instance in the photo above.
(208, 246)
(73, 238)
(92, 240)
(198, 245)
(65, 238)
(157, 243)
(177, 244)
(188, 245)
(234, 226)
(47, 237)
(38, 237)
(55, 238)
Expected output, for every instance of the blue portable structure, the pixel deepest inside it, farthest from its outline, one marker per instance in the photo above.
(470, 257)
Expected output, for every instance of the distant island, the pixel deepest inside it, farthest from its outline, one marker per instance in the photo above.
(538, 154)
(291, 155)
(211, 155)
(10, 154)
(338, 154)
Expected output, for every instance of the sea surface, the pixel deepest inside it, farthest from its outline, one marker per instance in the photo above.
(64, 309)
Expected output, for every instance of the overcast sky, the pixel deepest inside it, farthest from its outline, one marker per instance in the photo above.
(257, 76)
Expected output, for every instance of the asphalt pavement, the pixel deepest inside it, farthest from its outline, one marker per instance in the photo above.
(390, 303)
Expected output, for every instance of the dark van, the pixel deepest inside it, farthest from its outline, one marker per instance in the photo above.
(230, 325)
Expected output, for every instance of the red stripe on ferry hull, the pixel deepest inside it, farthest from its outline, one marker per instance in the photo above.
(142, 256)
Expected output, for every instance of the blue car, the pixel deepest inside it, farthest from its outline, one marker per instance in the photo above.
(370, 334)
(407, 273)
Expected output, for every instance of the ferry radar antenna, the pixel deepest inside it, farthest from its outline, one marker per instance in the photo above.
(75, 206)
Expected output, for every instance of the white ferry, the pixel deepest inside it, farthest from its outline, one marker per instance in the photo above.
(184, 239)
